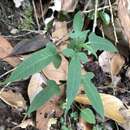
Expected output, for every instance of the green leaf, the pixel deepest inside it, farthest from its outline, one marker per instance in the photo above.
(93, 94)
(43, 96)
(65, 128)
(36, 62)
(83, 57)
(88, 116)
(73, 80)
(68, 52)
(105, 17)
(99, 43)
(57, 61)
(78, 21)
(79, 36)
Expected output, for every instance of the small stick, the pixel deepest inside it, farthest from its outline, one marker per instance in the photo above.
(99, 9)
(112, 20)
(95, 17)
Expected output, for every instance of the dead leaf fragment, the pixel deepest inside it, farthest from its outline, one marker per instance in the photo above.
(68, 5)
(116, 64)
(14, 99)
(5, 50)
(111, 63)
(57, 74)
(104, 61)
(61, 31)
(45, 113)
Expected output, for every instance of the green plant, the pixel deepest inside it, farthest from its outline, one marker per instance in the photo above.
(76, 52)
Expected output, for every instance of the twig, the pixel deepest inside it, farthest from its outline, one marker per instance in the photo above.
(7, 73)
(35, 13)
(98, 9)
(95, 16)
(112, 21)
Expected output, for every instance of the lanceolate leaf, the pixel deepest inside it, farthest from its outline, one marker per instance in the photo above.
(36, 62)
(83, 57)
(93, 94)
(43, 96)
(78, 22)
(68, 52)
(99, 43)
(73, 79)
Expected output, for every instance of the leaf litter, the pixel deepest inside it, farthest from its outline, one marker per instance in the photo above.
(109, 64)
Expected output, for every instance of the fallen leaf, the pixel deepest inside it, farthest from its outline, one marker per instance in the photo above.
(111, 63)
(61, 31)
(35, 85)
(45, 113)
(57, 74)
(112, 107)
(30, 45)
(83, 125)
(14, 99)
(5, 50)
(116, 64)
(104, 61)
(69, 5)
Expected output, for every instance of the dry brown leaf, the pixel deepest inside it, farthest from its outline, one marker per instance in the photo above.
(68, 5)
(104, 61)
(5, 50)
(57, 74)
(116, 64)
(124, 17)
(83, 125)
(45, 113)
(112, 106)
(111, 62)
(61, 31)
(34, 86)
(14, 99)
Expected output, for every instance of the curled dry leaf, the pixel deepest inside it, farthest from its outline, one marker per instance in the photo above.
(83, 125)
(104, 61)
(116, 64)
(5, 50)
(45, 113)
(14, 99)
(112, 107)
(34, 86)
(68, 5)
(124, 17)
(111, 63)
(57, 74)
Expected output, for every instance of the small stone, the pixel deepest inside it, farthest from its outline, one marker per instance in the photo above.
(14, 31)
